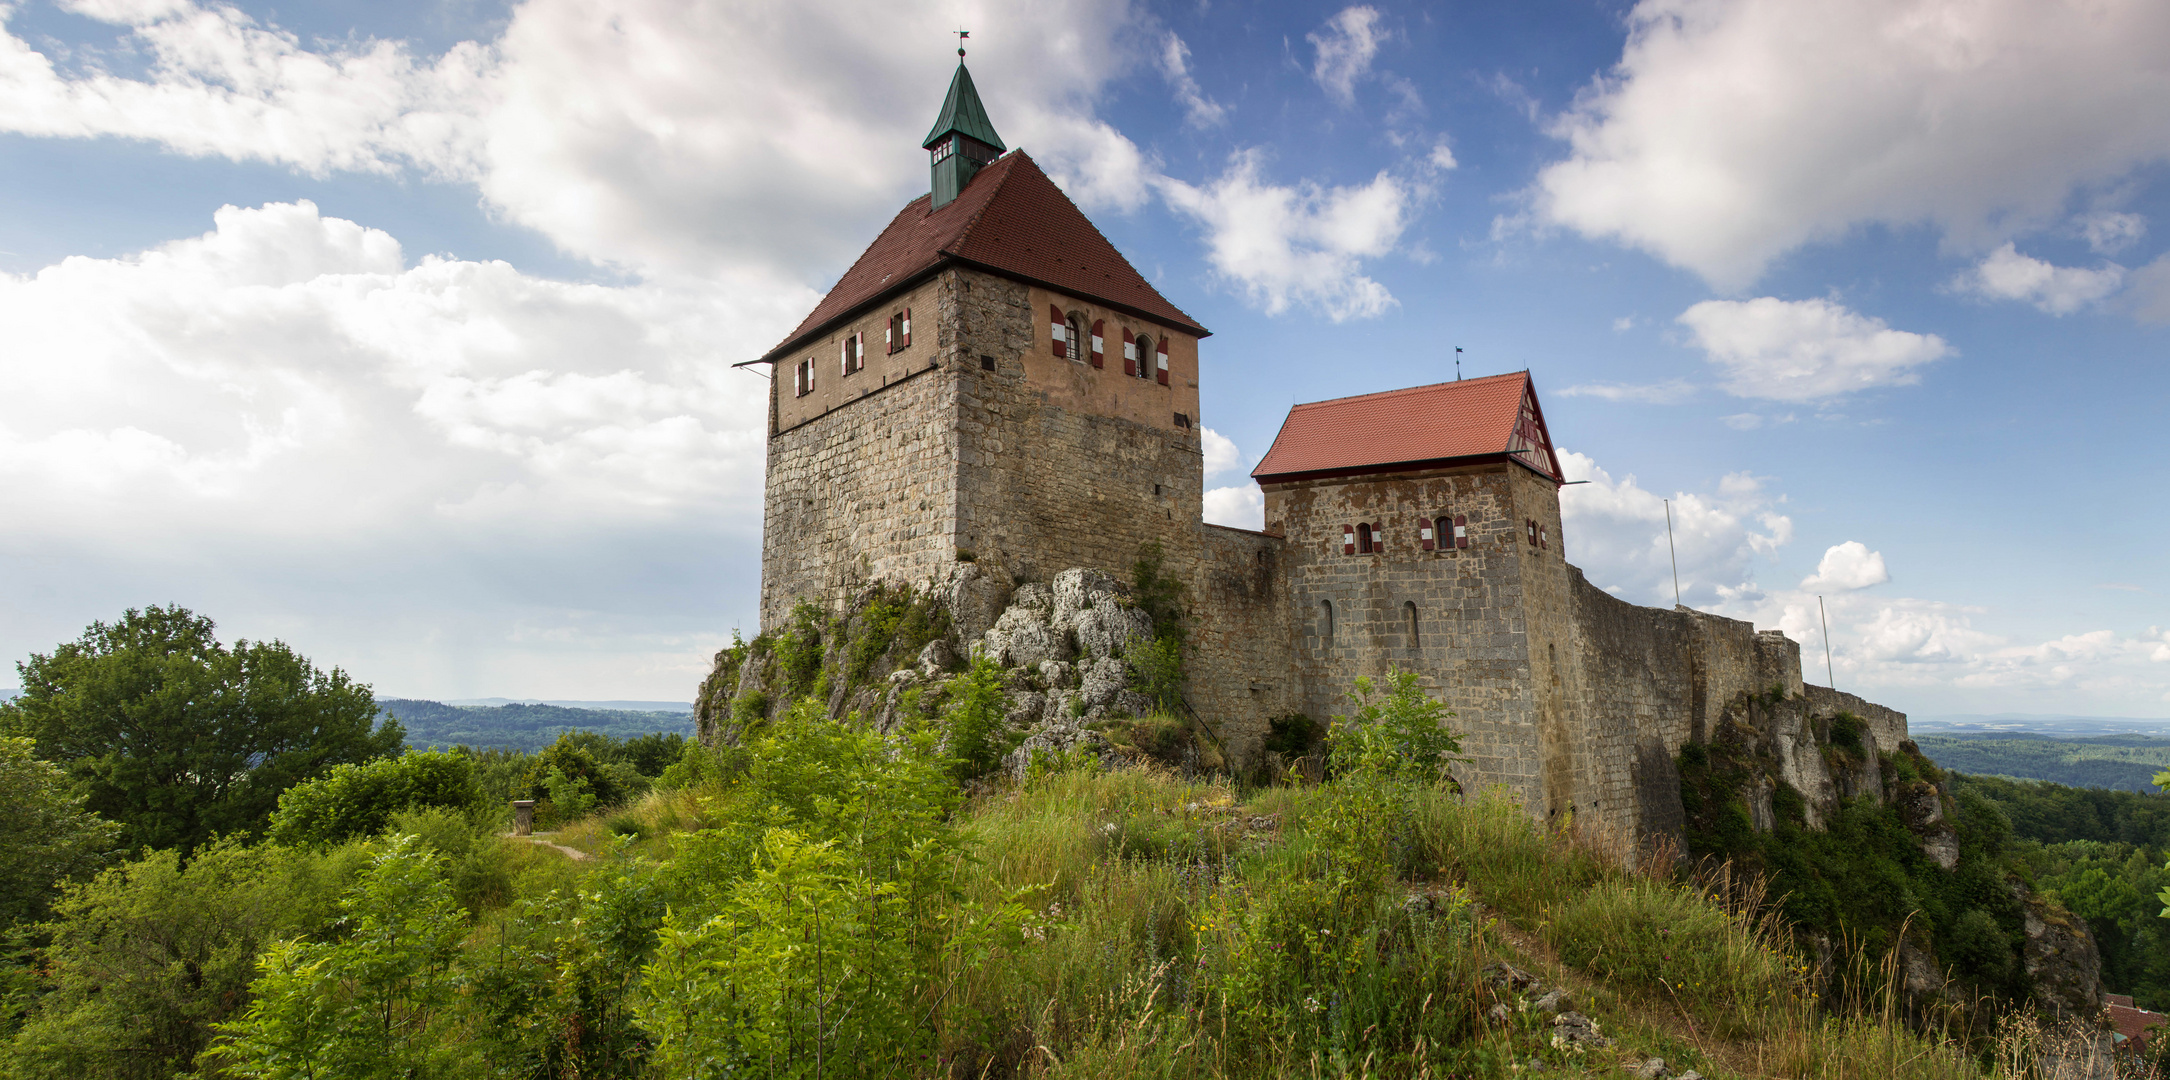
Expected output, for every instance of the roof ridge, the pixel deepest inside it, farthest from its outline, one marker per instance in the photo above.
(1524, 373)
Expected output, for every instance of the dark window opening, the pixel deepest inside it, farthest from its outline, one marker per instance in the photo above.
(1074, 332)
(1182, 420)
(987, 363)
(1363, 539)
(1145, 358)
(1326, 621)
(1409, 611)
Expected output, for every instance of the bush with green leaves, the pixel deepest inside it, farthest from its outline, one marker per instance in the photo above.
(148, 956)
(50, 839)
(360, 800)
(1398, 732)
(974, 719)
(813, 928)
(372, 1004)
(178, 737)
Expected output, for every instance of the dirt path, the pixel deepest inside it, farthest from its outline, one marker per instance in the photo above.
(574, 854)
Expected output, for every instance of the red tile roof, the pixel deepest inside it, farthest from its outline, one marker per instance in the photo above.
(1419, 426)
(2133, 1023)
(1011, 220)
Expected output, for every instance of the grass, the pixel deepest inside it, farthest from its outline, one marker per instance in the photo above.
(1180, 927)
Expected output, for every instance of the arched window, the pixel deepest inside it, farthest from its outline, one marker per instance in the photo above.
(1326, 621)
(1409, 614)
(1074, 323)
(1363, 538)
(1451, 531)
(1145, 359)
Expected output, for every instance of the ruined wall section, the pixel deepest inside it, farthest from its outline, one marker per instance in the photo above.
(1061, 464)
(1888, 725)
(1240, 638)
(1470, 645)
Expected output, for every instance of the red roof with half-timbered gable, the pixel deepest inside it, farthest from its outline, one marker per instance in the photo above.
(1421, 427)
(1010, 220)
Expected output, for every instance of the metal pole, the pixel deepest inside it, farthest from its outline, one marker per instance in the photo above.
(1669, 551)
(1830, 673)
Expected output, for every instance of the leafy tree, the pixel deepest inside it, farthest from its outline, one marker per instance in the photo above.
(359, 800)
(147, 956)
(50, 838)
(179, 737)
(1398, 732)
(372, 1005)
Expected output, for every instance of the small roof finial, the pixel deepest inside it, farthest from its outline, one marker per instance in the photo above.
(961, 35)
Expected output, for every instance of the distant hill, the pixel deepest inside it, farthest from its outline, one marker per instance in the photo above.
(606, 706)
(2126, 762)
(523, 725)
(2061, 725)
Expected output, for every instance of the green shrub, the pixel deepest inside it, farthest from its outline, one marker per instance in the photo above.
(1398, 732)
(360, 800)
(974, 720)
(1156, 670)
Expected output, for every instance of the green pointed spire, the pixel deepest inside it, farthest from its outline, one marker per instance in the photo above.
(963, 113)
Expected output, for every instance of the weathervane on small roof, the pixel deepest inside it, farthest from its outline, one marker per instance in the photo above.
(961, 35)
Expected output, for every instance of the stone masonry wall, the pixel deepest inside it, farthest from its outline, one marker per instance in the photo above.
(1056, 467)
(1888, 725)
(1652, 681)
(1470, 644)
(867, 491)
(1240, 638)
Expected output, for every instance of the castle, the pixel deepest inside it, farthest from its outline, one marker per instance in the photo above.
(992, 383)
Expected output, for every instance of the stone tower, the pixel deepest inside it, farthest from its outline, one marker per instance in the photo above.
(991, 382)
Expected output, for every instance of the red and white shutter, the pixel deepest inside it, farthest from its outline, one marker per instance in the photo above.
(907, 342)
(1096, 342)
(1348, 539)
(1162, 349)
(1059, 329)
(889, 336)
(798, 379)
(1378, 538)
(1543, 540)
(1130, 353)
(1461, 530)
(1424, 533)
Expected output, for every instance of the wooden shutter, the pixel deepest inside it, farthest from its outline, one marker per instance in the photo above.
(1378, 538)
(1461, 530)
(1348, 539)
(1096, 342)
(1058, 326)
(1424, 534)
(889, 335)
(1130, 353)
(1543, 540)
(798, 380)
(906, 343)
(1162, 350)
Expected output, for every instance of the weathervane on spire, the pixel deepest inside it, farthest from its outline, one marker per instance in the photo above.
(961, 35)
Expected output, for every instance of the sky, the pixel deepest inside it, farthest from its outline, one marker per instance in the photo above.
(402, 332)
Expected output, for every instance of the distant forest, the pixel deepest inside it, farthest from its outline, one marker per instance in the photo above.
(2117, 762)
(521, 727)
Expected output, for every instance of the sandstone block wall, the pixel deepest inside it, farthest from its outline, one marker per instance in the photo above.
(1240, 638)
(1888, 725)
(1350, 614)
(865, 492)
(1056, 470)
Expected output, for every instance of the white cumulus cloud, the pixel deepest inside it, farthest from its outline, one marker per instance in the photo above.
(1221, 454)
(2109, 232)
(1297, 244)
(1346, 46)
(1616, 531)
(432, 450)
(2059, 290)
(1803, 350)
(1239, 506)
(1846, 567)
(1733, 131)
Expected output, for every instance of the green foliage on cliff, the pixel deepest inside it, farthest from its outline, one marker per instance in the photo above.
(1864, 875)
